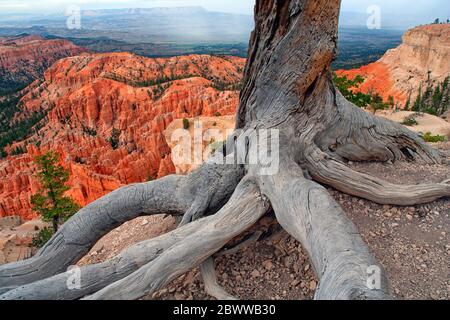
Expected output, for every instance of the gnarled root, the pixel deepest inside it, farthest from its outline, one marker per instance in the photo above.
(77, 283)
(212, 286)
(169, 195)
(326, 170)
(243, 210)
(76, 237)
(340, 257)
(356, 135)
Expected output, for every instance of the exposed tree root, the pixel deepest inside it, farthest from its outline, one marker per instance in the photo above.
(337, 252)
(96, 277)
(79, 234)
(333, 173)
(357, 135)
(212, 286)
(243, 210)
(170, 195)
(240, 246)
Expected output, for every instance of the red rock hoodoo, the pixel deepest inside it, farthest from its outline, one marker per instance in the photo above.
(106, 117)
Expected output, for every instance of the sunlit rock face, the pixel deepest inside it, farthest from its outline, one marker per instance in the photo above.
(424, 55)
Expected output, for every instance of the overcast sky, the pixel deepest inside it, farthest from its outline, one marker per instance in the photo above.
(438, 8)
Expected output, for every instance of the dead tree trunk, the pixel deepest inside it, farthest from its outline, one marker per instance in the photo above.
(287, 86)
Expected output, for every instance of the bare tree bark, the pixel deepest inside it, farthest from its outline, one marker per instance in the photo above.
(212, 286)
(288, 87)
(243, 210)
(337, 252)
(98, 276)
(170, 195)
(334, 173)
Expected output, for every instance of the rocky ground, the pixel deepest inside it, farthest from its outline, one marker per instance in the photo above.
(412, 243)
(16, 238)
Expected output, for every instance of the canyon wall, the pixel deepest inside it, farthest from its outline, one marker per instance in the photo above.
(25, 58)
(424, 55)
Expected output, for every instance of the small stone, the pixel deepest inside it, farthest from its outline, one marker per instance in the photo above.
(163, 291)
(307, 267)
(313, 285)
(256, 274)
(145, 222)
(180, 296)
(268, 265)
(409, 217)
(295, 283)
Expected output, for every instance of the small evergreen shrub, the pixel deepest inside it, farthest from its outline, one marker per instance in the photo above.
(410, 121)
(42, 237)
(186, 124)
(428, 137)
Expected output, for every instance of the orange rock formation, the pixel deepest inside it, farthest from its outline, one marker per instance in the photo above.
(93, 100)
(424, 54)
(25, 58)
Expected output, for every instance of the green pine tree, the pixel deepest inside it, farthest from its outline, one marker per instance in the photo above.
(418, 103)
(445, 96)
(391, 101)
(51, 203)
(437, 99)
(408, 103)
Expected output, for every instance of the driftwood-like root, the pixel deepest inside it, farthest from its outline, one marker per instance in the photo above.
(240, 246)
(212, 286)
(169, 195)
(356, 135)
(76, 237)
(340, 258)
(244, 209)
(93, 278)
(333, 173)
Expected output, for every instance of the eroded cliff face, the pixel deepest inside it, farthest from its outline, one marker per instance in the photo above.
(24, 59)
(423, 55)
(106, 116)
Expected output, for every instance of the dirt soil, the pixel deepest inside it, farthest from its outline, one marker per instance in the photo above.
(412, 243)
(425, 122)
(16, 238)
